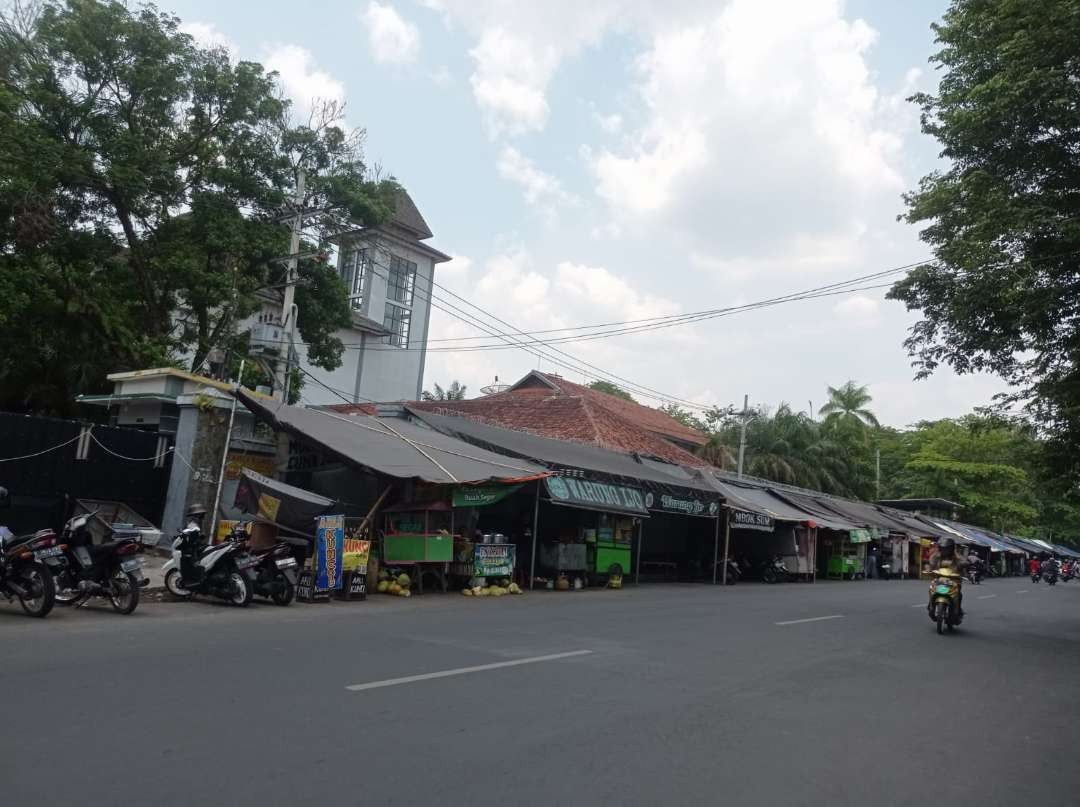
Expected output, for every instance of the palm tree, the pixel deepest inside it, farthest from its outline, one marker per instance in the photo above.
(848, 405)
(455, 392)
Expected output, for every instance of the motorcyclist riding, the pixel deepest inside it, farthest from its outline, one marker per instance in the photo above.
(948, 559)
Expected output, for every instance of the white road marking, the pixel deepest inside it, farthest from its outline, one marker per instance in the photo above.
(986, 596)
(410, 679)
(811, 619)
(919, 605)
(1023, 591)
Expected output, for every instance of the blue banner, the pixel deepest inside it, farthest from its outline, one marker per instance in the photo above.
(329, 552)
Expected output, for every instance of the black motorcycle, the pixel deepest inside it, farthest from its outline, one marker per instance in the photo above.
(774, 570)
(1051, 577)
(275, 571)
(23, 573)
(110, 570)
(974, 576)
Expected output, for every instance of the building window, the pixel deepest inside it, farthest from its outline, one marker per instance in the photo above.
(401, 281)
(397, 322)
(353, 269)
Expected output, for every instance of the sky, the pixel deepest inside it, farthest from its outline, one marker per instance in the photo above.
(611, 160)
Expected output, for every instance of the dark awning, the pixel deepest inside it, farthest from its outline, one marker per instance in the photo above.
(758, 500)
(392, 446)
(278, 503)
(559, 454)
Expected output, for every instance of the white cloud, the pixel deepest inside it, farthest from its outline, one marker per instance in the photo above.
(302, 80)
(538, 188)
(457, 268)
(393, 39)
(610, 123)
(763, 116)
(208, 35)
(598, 289)
(858, 309)
(509, 81)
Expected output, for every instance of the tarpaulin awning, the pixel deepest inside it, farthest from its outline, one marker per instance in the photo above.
(819, 512)
(868, 515)
(278, 503)
(982, 537)
(758, 500)
(561, 453)
(392, 446)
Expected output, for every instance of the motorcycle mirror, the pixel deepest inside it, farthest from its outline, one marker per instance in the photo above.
(5, 497)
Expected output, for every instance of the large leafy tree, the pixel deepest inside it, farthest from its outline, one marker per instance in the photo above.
(143, 186)
(611, 389)
(1003, 216)
(849, 404)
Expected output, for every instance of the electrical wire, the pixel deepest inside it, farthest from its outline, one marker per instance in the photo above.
(44, 451)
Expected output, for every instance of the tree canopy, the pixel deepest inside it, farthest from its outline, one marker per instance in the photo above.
(1003, 217)
(143, 181)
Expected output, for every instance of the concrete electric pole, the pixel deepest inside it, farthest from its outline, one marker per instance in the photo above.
(742, 434)
(288, 304)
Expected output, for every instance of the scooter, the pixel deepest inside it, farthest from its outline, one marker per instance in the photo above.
(222, 570)
(275, 571)
(110, 570)
(944, 606)
(23, 573)
(774, 570)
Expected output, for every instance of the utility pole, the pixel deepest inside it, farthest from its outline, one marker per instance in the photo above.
(288, 304)
(877, 475)
(742, 435)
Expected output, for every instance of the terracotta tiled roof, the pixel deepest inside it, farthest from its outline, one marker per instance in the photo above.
(646, 417)
(352, 408)
(563, 413)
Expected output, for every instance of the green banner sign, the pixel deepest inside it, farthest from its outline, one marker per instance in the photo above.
(596, 495)
(859, 536)
(494, 560)
(481, 495)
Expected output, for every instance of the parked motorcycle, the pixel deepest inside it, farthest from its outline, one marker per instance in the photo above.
(774, 570)
(109, 570)
(734, 572)
(23, 573)
(222, 570)
(944, 607)
(275, 571)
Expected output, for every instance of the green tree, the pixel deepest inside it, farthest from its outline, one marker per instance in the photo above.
(455, 392)
(1003, 217)
(610, 389)
(142, 185)
(848, 404)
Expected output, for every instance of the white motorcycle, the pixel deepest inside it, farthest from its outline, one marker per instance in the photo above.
(222, 570)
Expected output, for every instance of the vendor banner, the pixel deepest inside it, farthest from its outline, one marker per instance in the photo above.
(494, 560)
(684, 505)
(481, 495)
(329, 546)
(745, 520)
(596, 495)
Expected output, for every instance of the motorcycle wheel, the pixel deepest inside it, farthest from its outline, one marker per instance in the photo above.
(768, 576)
(241, 590)
(284, 595)
(173, 586)
(38, 577)
(65, 593)
(939, 618)
(124, 592)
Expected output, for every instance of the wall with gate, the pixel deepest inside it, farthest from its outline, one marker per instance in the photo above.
(47, 462)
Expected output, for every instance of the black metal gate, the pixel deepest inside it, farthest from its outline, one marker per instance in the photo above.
(46, 463)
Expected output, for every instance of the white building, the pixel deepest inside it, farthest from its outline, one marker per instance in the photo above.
(389, 271)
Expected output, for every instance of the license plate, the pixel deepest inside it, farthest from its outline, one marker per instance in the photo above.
(286, 563)
(51, 552)
(131, 565)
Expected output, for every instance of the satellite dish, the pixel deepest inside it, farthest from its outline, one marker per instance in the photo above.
(491, 389)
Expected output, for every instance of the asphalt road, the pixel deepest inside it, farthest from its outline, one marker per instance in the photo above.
(686, 695)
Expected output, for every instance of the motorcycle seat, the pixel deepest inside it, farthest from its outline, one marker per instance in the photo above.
(10, 540)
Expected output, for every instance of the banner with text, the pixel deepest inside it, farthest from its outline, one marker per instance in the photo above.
(329, 548)
(596, 495)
